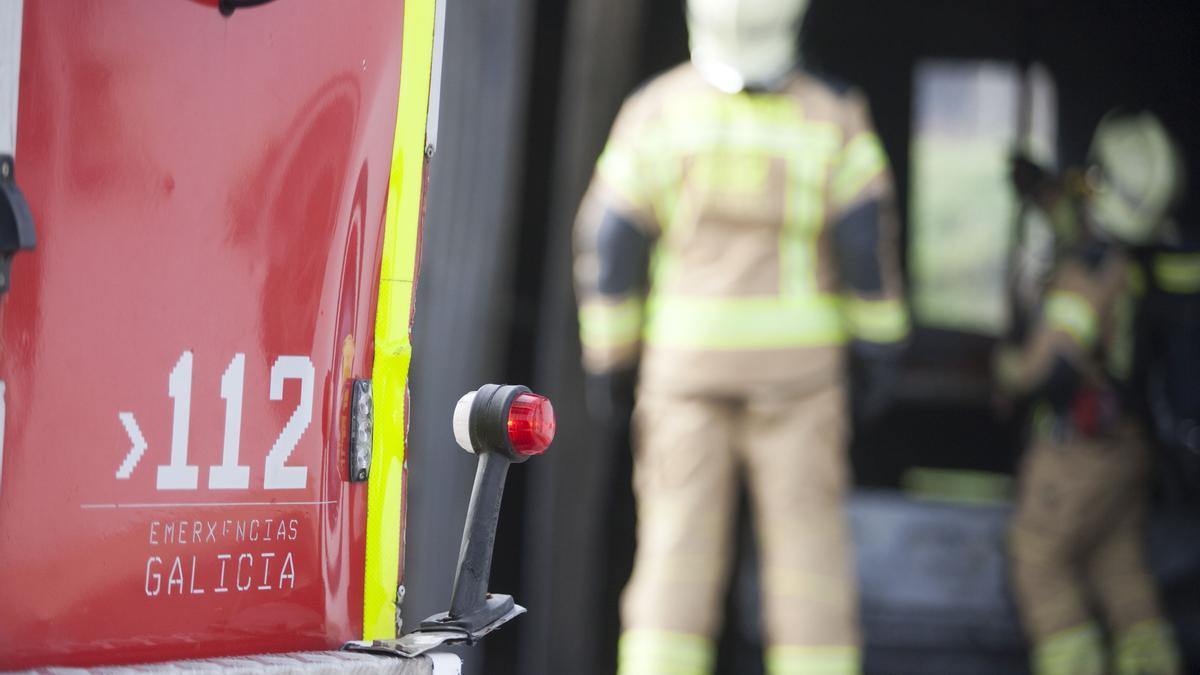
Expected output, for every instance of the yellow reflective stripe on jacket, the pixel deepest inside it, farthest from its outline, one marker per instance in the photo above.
(651, 652)
(808, 145)
(604, 324)
(393, 348)
(1072, 314)
(804, 217)
(1076, 651)
(737, 174)
(1120, 351)
(772, 124)
(789, 660)
(703, 126)
(694, 136)
(861, 162)
(618, 167)
(1136, 280)
(744, 323)
(876, 320)
(1147, 648)
(1178, 272)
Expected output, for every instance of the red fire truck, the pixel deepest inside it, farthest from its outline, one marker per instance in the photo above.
(210, 240)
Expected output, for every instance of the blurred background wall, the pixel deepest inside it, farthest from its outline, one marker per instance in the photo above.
(529, 90)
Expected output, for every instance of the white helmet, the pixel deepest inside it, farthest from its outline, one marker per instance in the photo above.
(744, 43)
(1136, 176)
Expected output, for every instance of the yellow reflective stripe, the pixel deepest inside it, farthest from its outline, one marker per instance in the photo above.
(1147, 647)
(691, 137)
(780, 110)
(1120, 351)
(651, 652)
(728, 128)
(1178, 272)
(876, 320)
(1073, 314)
(861, 161)
(775, 125)
(743, 174)
(1064, 218)
(804, 218)
(646, 168)
(790, 660)
(393, 349)
(604, 324)
(1076, 651)
(1136, 280)
(618, 168)
(744, 323)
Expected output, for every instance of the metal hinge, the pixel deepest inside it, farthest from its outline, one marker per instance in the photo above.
(16, 221)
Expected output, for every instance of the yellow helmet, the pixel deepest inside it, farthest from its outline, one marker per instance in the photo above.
(744, 43)
(1135, 178)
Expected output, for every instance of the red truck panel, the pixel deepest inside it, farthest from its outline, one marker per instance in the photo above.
(209, 196)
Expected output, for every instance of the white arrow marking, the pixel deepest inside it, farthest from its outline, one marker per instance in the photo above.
(139, 445)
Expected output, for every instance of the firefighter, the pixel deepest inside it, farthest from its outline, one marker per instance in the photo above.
(738, 235)
(1077, 534)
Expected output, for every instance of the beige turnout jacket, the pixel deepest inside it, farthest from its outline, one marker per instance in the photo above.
(769, 225)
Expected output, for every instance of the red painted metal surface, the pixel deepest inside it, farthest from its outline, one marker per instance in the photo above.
(203, 187)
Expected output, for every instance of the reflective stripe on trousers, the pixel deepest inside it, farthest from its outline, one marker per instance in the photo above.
(652, 652)
(786, 660)
(1147, 648)
(1077, 651)
(647, 652)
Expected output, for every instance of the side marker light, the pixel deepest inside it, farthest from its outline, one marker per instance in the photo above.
(531, 424)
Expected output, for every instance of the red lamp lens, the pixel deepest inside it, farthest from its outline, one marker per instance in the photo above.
(531, 424)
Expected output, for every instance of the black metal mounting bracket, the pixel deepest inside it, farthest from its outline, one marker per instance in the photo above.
(226, 7)
(16, 221)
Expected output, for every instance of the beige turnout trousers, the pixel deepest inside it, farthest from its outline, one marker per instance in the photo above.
(790, 448)
(1078, 537)
(1078, 531)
